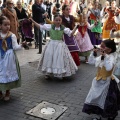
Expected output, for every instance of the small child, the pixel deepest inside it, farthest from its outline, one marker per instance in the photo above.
(83, 38)
(9, 67)
(56, 58)
(103, 99)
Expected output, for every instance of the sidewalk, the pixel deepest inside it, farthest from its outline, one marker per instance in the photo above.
(35, 89)
(26, 56)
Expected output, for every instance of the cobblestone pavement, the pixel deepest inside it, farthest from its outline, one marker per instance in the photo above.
(35, 89)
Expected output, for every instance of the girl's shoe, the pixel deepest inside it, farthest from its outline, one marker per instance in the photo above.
(47, 77)
(113, 118)
(1, 96)
(86, 61)
(7, 96)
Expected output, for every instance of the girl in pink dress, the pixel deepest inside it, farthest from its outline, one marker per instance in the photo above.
(83, 38)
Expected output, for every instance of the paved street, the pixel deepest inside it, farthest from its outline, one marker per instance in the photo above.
(35, 89)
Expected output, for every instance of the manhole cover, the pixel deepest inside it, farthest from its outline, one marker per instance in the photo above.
(47, 111)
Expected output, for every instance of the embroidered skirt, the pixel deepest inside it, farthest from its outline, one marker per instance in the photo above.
(10, 76)
(84, 44)
(57, 60)
(103, 99)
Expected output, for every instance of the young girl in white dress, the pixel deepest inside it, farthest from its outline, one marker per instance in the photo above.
(103, 99)
(9, 67)
(56, 58)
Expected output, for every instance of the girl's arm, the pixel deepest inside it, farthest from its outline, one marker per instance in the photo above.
(14, 43)
(115, 34)
(117, 19)
(102, 13)
(88, 14)
(77, 19)
(70, 32)
(90, 26)
(109, 62)
(41, 27)
(73, 31)
(48, 21)
(35, 23)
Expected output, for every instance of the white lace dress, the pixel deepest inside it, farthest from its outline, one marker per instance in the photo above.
(56, 58)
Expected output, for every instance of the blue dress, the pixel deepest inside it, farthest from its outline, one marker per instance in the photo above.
(9, 67)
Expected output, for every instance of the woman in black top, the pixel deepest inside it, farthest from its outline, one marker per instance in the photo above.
(21, 12)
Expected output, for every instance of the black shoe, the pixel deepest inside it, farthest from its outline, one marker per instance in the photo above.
(43, 43)
(112, 118)
(44, 40)
(30, 44)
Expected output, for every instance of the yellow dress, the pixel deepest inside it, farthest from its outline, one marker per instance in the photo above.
(109, 24)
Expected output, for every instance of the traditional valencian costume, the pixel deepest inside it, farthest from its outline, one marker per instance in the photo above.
(103, 98)
(56, 58)
(9, 67)
(94, 33)
(70, 41)
(109, 24)
(83, 39)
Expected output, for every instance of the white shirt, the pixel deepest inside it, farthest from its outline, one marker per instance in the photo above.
(117, 19)
(43, 6)
(67, 18)
(48, 28)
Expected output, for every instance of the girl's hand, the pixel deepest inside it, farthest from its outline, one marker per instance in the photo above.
(25, 46)
(103, 55)
(96, 50)
(23, 43)
(31, 19)
(113, 29)
(45, 14)
(96, 23)
(116, 13)
(102, 52)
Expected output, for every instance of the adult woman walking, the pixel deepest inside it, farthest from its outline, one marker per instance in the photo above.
(10, 13)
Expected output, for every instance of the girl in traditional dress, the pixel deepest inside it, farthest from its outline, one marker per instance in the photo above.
(94, 16)
(56, 58)
(69, 21)
(110, 21)
(9, 67)
(82, 37)
(103, 99)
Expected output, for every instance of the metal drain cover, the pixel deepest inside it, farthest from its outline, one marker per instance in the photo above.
(47, 111)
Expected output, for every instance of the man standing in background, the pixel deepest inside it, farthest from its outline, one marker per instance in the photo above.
(38, 16)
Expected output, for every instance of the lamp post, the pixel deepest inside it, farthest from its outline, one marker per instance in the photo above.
(58, 6)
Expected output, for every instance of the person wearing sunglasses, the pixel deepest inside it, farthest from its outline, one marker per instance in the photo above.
(10, 13)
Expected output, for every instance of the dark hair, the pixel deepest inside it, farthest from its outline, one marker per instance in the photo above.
(110, 44)
(30, 1)
(64, 6)
(2, 18)
(57, 15)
